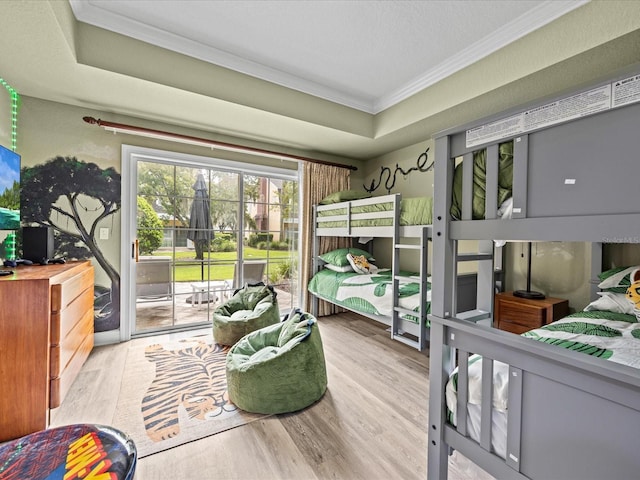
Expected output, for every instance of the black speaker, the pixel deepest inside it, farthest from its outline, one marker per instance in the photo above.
(37, 243)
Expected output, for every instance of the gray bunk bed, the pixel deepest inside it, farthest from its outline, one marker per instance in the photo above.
(575, 167)
(386, 216)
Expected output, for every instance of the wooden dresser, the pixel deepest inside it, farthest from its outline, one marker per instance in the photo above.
(46, 334)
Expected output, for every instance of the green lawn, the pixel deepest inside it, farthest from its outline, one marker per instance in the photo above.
(219, 264)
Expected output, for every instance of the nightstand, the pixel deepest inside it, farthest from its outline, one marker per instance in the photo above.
(517, 315)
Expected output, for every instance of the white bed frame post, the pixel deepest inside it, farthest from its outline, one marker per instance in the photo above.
(441, 356)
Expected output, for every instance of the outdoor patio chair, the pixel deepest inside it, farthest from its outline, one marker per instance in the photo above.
(213, 291)
(252, 272)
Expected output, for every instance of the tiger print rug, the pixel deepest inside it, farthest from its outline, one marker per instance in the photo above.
(175, 392)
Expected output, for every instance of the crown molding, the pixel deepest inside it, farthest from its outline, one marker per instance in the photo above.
(95, 15)
(92, 13)
(534, 19)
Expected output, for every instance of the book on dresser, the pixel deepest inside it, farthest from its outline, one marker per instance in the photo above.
(46, 334)
(518, 315)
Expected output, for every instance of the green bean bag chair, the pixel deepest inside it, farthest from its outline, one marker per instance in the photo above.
(250, 308)
(278, 369)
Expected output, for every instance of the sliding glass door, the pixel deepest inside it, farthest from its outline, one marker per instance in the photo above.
(202, 228)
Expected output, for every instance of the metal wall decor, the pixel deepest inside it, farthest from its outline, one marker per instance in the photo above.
(422, 165)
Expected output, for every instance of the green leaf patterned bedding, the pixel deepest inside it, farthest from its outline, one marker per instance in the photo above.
(370, 294)
(413, 211)
(609, 335)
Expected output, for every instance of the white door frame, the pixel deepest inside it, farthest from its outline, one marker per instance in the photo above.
(129, 180)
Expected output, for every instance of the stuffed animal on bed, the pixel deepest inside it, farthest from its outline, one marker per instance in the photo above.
(361, 265)
(633, 292)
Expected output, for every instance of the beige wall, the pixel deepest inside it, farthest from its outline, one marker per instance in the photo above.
(49, 129)
(558, 269)
(415, 184)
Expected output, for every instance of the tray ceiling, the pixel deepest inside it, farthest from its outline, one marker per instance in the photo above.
(367, 55)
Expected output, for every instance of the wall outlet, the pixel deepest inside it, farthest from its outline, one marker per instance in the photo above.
(104, 233)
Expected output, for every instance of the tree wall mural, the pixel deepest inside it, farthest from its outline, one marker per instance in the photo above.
(75, 198)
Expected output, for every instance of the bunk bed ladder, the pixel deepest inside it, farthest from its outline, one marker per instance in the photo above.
(486, 252)
(485, 283)
(396, 332)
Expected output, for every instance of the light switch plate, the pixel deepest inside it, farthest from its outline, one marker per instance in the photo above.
(104, 233)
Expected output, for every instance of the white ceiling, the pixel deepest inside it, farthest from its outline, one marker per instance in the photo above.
(364, 54)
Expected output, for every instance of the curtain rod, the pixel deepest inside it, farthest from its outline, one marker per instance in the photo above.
(204, 142)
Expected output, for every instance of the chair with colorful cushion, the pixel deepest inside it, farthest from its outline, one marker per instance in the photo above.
(279, 368)
(71, 451)
(250, 308)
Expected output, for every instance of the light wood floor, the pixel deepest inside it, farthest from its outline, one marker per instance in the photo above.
(371, 423)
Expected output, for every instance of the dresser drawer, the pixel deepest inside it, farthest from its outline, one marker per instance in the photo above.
(62, 294)
(59, 386)
(71, 334)
(521, 315)
(62, 353)
(513, 327)
(63, 321)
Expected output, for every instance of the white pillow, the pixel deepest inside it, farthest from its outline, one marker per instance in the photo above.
(335, 268)
(617, 279)
(612, 302)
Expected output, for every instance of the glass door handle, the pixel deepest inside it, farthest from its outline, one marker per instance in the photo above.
(135, 250)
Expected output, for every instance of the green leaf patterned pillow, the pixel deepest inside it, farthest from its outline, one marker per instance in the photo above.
(338, 257)
(616, 280)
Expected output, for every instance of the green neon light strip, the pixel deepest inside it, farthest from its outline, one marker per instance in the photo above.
(14, 113)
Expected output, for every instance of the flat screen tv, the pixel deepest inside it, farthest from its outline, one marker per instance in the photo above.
(9, 189)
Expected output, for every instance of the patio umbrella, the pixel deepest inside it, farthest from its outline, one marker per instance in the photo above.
(200, 226)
